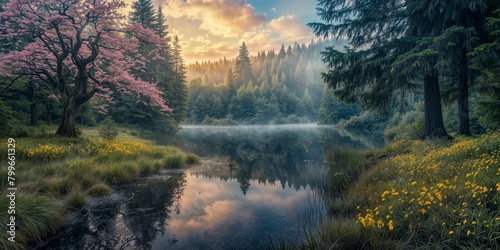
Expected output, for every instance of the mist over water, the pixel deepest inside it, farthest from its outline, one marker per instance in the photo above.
(254, 182)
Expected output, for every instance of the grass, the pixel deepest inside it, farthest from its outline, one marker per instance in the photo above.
(421, 194)
(59, 173)
(37, 217)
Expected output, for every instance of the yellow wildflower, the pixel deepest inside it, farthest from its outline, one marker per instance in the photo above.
(390, 224)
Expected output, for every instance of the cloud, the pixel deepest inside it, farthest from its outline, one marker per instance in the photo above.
(203, 39)
(283, 30)
(226, 18)
(291, 28)
(213, 51)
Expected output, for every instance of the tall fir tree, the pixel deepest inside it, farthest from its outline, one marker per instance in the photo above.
(177, 92)
(389, 29)
(160, 26)
(243, 67)
(143, 12)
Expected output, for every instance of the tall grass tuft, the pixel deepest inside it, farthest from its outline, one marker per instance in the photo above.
(76, 198)
(37, 217)
(191, 159)
(280, 244)
(173, 161)
(344, 167)
(118, 173)
(100, 189)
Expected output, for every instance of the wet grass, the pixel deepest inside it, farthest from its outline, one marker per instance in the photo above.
(54, 174)
(429, 194)
(37, 217)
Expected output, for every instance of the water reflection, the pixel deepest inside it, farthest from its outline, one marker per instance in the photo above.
(253, 183)
(132, 218)
(291, 155)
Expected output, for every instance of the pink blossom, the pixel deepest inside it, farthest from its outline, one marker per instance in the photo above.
(79, 47)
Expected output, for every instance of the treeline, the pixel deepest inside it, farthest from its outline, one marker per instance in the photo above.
(269, 88)
(135, 86)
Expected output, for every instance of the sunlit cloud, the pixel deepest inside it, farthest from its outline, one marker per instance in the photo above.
(226, 18)
(212, 51)
(212, 29)
(282, 30)
(291, 28)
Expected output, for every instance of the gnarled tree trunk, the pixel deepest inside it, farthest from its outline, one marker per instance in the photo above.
(67, 126)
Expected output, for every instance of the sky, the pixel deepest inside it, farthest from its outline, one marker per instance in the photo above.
(213, 29)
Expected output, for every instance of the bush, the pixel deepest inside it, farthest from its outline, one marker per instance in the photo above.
(409, 127)
(108, 129)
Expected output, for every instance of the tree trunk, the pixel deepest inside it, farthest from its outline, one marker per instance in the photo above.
(48, 115)
(33, 114)
(33, 110)
(67, 126)
(463, 95)
(434, 126)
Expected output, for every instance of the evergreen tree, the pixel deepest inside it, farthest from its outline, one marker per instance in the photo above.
(175, 91)
(332, 112)
(243, 67)
(160, 26)
(486, 60)
(395, 29)
(143, 12)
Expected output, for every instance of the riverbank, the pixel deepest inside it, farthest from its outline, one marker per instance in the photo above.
(418, 194)
(54, 174)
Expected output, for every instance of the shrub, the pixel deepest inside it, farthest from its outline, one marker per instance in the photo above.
(108, 129)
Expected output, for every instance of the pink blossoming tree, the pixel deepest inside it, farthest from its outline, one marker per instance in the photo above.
(80, 49)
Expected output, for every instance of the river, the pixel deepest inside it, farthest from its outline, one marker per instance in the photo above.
(254, 184)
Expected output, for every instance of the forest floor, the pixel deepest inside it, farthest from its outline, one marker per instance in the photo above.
(422, 194)
(53, 174)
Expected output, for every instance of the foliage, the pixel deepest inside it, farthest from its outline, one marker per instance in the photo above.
(366, 121)
(97, 61)
(282, 88)
(413, 42)
(7, 119)
(108, 129)
(331, 111)
(485, 60)
(242, 66)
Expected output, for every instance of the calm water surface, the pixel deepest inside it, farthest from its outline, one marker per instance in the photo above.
(254, 182)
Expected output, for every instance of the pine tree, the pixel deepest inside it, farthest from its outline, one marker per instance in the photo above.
(143, 12)
(395, 29)
(160, 26)
(243, 67)
(177, 92)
